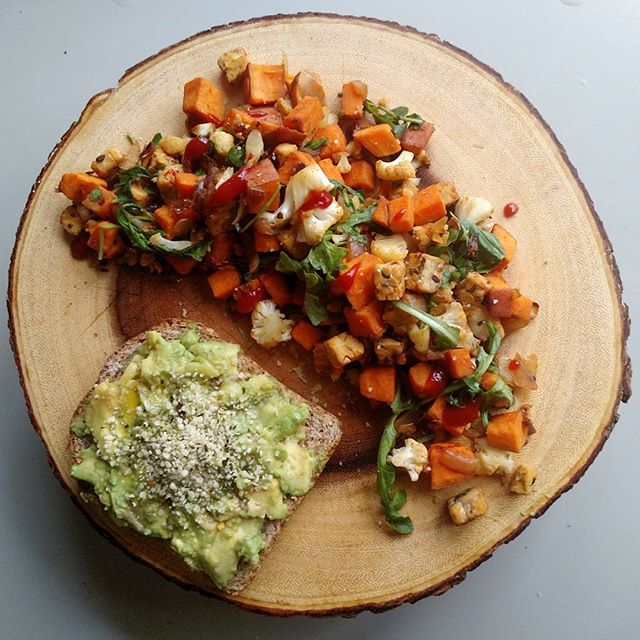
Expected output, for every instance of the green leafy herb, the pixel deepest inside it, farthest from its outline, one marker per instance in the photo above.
(469, 248)
(95, 195)
(156, 139)
(446, 333)
(484, 360)
(100, 243)
(125, 178)
(327, 257)
(392, 501)
(130, 138)
(347, 191)
(398, 119)
(353, 200)
(314, 145)
(236, 155)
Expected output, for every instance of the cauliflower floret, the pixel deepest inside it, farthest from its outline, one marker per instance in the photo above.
(478, 317)
(107, 162)
(473, 209)
(302, 183)
(431, 233)
(388, 279)
(492, 461)
(283, 151)
(223, 142)
(424, 272)
(233, 63)
(473, 288)
(420, 335)
(204, 130)
(398, 169)
(414, 457)
(315, 223)
(467, 506)
(174, 145)
(448, 192)
(408, 187)
(269, 327)
(343, 349)
(343, 166)
(455, 315)
(522, 479)
(157, 160)
(389, 351)
(389, 248)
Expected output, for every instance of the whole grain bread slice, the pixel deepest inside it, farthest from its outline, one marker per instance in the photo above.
(323, 430)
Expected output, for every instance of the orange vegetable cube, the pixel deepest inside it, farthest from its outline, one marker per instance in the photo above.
(221, 251)
(353, 96)
(77, 186)
(202, 99)
(224, 282)
(499, 302)
(428, 205)
(336, 140)
(488, 379)
(100, 201)
(509, 244)
(305, 116)
(276, 287)
(521, 307)
(330, 170)
(496, 280)
(378, 383)
(415, 140)
(381, 214)
(306, 335)
(367, 321)
(265, 243)
(186, 183)
(264, 83)
(401, 216)
(166, 218)
(293, 163)
(435, 412)
(362, 291)
(459, 363)
(107, 234)
(441, 474)
(183, 265)
(262, 181)
(362, 176)
(507, 431)
(378, 140)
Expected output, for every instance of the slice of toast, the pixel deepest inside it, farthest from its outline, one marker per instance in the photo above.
(322, 428)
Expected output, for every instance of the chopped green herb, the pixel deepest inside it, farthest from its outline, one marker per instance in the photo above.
(156, 139)
(398, 119)
(314, 145)
(95, 195)
(236, 156)
(446, 333)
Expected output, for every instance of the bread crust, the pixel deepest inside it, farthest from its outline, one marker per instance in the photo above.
(322, 429)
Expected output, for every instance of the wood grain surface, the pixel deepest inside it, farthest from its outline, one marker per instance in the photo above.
(334, 556)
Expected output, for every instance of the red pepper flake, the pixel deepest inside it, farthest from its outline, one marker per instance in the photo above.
(510, 209)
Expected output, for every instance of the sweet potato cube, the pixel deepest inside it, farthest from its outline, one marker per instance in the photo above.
(265, 243)
(276, 287)
(293, 163)
(378, 140)
(381, 214)
(202, 99)
(521, 307)
(367, 321)
(264, 83)
(221, 250)
(107, 234)
(401, 215)
(224, 282)
(182, 264)
(459, 363)
(507, 431)
(509, 244)
(262, 181)
(428, 205)
(186, 183)
(330, 170)
(441, 474)
(306, 335)
(101, 202)
(378, 383)
(361, 177)
(354, 94)
(306, 115)
(499, 302)
(415, 140)
(336, 140)
(496, 280)
(77, 186)
(363, 289)
(435, 412)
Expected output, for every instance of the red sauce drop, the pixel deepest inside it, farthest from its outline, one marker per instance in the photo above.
(257, 114)
(510, 209)
(317, 200)
(514, 365)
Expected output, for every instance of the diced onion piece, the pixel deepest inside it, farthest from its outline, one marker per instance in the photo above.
(254, 147)
(457, 462)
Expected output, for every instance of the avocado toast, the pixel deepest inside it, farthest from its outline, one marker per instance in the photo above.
(161, 474)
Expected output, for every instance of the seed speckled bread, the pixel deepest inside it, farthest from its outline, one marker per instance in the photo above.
(322, 428)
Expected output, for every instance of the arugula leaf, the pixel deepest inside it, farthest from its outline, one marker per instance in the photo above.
(392, 501)
(446, 333)
(499, 392)
(362, 216)
(314, 308)
(398, 119)
(327, 257)
(156, 139)
(343, 189)
(122, 187)
(484, 360)
(236, 155)
(314, 145)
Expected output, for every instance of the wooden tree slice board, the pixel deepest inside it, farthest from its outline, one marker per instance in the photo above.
(333, 556)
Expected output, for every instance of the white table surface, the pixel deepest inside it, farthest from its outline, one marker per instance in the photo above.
(572, 574)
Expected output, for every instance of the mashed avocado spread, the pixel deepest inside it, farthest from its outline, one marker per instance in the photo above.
(186, 448)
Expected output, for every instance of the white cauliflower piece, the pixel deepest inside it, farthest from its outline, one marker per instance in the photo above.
(420, 335)
(174, 145)
(398, 169)
(492, 461)
(107, 162)
(467, 506)
(414, 457)
(309, 179)
(473, 209)
(316, 221)
(454, 315)
(269, 327)
(388, 279)
(222, 141)
(389, 248)
(204, 130)
(344, 166)
(478, 318)
(424, 272)
(233, 63)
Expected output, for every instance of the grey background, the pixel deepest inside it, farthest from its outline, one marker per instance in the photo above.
(571, 574)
